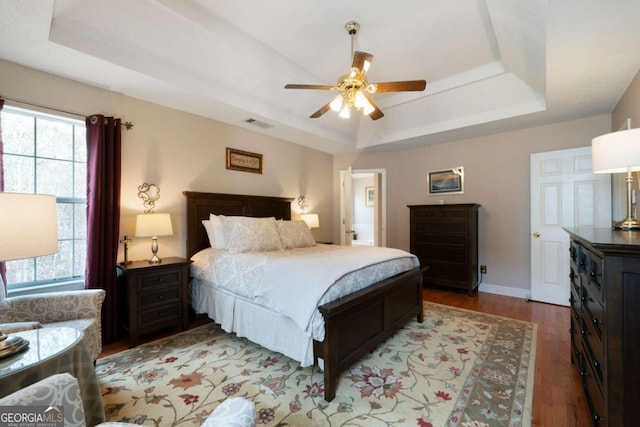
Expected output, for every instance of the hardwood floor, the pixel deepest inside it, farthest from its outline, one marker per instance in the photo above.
(557, 394)
(557, 398)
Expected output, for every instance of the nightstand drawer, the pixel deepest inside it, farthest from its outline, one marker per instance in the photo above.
(154, 296)
(160, 315)
(163, 296)
(152, 280)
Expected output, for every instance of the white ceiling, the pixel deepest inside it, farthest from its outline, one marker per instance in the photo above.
(490, 65)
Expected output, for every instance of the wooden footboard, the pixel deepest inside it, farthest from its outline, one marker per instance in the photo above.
(356, 324)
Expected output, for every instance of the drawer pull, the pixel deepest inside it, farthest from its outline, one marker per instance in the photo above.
(571, 275)
(160, 279)
(597, 418)
(596, 364)
(161, 314)
(161, 297)
(595, 321)
(578, 354)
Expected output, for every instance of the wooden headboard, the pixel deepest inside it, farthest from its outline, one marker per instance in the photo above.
(200, 205)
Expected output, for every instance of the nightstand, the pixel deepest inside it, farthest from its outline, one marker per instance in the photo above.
(153, 296)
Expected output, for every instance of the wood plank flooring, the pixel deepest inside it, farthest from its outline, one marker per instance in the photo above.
(557, 398)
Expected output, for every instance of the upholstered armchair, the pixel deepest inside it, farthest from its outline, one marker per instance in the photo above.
(75, 309)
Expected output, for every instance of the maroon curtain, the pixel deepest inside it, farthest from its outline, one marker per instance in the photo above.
(3, 266)
(103, 215)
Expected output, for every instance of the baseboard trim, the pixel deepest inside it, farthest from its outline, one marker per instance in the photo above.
(505, 290)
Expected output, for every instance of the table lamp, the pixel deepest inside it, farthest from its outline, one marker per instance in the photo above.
(312, 220)
(619, 152)
(154, 225)
(28, 228)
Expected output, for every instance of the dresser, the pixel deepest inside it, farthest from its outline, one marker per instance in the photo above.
(154, 296)
(605, 321)
(445, 239)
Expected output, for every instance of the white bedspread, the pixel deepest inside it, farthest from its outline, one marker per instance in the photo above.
(294, 286)
(295, 282)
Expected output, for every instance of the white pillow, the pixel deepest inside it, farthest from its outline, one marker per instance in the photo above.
(218, 232)
(295, 234)
(209, 228)
(248, 234)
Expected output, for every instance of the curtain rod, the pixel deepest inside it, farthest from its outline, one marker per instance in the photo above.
(127, 125)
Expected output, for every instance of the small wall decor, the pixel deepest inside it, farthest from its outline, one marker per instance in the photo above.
(449, 181)
(149, 193)
(244, 161)
(369, 197)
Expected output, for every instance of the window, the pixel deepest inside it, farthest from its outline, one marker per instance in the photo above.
(47, 154)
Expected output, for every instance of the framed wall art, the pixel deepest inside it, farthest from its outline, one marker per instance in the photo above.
(244, 161)
(449, 181)
(369, 196)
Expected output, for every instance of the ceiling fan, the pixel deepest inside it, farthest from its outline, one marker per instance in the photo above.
(354, 87)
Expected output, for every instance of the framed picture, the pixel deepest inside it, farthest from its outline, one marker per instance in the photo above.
(244, 161)
(450, 181)
(368, 196)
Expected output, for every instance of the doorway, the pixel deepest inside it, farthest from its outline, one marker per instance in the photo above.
(564, 193)
(363, 207)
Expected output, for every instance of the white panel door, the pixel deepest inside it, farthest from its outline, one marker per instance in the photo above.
(346, 205)
(564, 193)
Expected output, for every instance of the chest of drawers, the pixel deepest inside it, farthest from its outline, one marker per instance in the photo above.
(605, 327)
(445, 239)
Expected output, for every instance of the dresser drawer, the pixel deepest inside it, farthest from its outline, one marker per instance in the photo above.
(445, 274)
(451, 239)
(160, 315)
(593, 313)
(151, 280)
(594, 396)
(162, 296)
(429, 254)
(595, 272)
(422, 228)
(595, 353)
(441, 214)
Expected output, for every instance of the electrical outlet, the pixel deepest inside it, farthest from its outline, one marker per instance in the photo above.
(483, 269)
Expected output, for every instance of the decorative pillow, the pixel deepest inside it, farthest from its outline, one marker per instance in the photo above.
(248, 234)
(218, 232)
(295, 234)
(209, 228)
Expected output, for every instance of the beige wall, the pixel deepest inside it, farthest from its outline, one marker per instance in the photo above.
(179, 151)
(496, 176)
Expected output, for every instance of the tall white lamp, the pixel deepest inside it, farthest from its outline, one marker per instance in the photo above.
(154, 225)
(28, 228)
(619, 152)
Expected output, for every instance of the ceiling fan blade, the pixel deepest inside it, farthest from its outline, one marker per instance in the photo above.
(377, 112)
(321, 111)
(319, 87)
(359, 59)
(404, 86)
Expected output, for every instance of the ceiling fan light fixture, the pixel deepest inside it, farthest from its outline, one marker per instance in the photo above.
(345, 113)
(360, 100)
(372, 88)
(366, 65)
(336, 104)
(368, 108)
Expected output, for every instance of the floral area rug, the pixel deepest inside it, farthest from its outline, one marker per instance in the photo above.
(458, 368)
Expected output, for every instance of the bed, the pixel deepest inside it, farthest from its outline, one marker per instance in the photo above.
(353, 324)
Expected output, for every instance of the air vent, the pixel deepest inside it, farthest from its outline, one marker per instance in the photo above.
(258, 123)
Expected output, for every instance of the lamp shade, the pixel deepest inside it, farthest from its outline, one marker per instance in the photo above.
(28, 226)
(153, 225)
(312, 220)
(616, 152)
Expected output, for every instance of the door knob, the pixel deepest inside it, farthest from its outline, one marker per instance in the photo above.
(536, 234)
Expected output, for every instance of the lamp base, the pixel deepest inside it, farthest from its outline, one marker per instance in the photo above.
(155, 260)
(629, 223)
